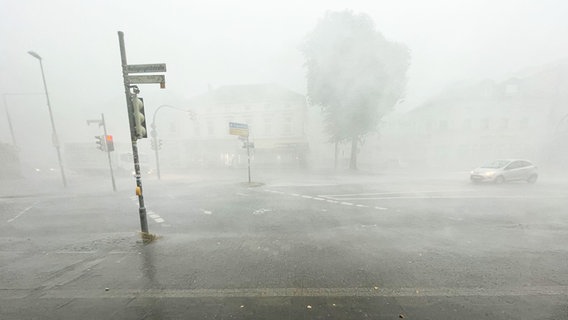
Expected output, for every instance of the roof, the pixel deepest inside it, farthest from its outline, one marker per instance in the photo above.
(251, 93)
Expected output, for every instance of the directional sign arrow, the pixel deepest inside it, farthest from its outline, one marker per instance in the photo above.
(151, 78)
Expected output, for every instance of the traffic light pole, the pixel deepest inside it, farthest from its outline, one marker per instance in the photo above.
(108, 153)
(133, 137)
(248, 154)
(156, 143)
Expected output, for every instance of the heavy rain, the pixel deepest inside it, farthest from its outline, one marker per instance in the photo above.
(283, 159)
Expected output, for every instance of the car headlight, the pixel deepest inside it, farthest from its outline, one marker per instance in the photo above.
(489, 174)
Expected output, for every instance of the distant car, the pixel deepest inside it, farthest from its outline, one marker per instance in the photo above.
(500, 171)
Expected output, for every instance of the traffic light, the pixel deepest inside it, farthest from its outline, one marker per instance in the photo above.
(100, 143)
(109, 143)
(139, 119)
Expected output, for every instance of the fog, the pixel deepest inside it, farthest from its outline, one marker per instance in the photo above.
(305, 160)
(212, 45)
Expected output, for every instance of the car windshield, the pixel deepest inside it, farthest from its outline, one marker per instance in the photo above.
(496, 164)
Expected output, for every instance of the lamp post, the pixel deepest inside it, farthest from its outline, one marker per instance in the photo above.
(54, 135)
(10, 123)
(9, 118)
(154, 134)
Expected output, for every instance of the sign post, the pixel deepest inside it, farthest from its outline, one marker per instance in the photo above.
(130, 82)
(242, 130)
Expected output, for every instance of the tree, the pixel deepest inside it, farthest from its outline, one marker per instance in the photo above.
(354, 74)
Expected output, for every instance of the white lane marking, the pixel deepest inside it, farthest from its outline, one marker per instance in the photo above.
(390, 193)
(459, 197)
(261, 211)
(154, 216)
(74, 252)
(206, 211)
(159, 220)
(133, 198)
(241, 194)
(20, 214)
(323, 199)
(381, 208)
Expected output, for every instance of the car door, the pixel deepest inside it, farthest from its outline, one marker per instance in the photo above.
(525, 170)
(511, 171)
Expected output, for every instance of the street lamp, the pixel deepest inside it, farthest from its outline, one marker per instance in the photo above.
(54, 135)
(154, 134)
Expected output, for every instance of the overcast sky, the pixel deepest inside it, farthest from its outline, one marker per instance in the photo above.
(240, 42)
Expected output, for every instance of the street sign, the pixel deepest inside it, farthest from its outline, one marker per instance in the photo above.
(151, 78)
(145, 68)
(238, 129)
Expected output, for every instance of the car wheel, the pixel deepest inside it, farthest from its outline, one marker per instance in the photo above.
(499, 180)
(532, 179)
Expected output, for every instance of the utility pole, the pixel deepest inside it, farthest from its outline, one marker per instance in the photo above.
(108, 147)
(135, 107)
(108, 152)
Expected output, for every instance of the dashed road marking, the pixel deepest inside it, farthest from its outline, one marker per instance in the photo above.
(326, 199)
(206, 211)
(159, 220)
(20, 214)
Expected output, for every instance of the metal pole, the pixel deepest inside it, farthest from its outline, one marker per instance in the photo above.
(129, 96)
(10, 122)
(55, 138)
(108, 153)
(248, 153)
(154, 134)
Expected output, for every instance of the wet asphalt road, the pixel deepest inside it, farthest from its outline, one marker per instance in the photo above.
(299, 246)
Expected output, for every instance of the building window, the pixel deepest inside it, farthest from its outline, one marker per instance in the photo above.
(524, 123)
(210, 128)
(196, 129)
(287, 126)
(504, 123)
(268, 126)
(443, 125)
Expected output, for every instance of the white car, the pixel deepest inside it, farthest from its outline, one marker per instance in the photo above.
(500, 171)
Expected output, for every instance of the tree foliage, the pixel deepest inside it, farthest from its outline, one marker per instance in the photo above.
(353, 73)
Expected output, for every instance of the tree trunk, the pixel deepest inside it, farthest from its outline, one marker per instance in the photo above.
(353, 160)
(336, 153)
